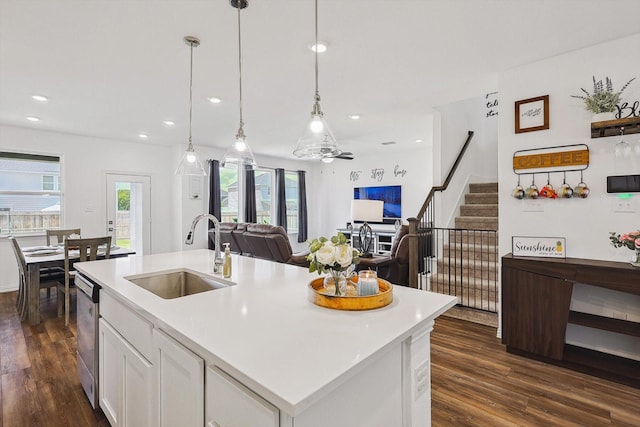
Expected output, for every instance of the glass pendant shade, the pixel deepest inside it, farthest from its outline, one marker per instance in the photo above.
(240, 153)
(317, 141)
(190, 164)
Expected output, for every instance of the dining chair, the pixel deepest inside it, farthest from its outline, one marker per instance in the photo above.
(89, 249)
(60, 235)
(47, 280)
(56, 237)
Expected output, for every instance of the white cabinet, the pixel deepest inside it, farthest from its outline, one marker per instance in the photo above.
(180, 383)
(230, 404)
(126, 387)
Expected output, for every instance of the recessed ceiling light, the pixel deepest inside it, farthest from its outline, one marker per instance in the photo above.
(143, 136)
(322, 46)
(39, 98)
(169, 122)
(33, 118)
(354, 116)
(418, 140)
(214, 100)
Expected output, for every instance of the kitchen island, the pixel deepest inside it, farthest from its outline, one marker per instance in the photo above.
(257, 352)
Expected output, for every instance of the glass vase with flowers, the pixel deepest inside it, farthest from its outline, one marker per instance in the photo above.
(630, 240)
(337, 258)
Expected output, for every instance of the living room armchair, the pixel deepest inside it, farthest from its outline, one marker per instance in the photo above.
(395, 266)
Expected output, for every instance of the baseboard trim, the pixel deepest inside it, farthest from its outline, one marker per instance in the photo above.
(8, 288)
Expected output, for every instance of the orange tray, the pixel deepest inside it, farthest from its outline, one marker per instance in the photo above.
(350, 301)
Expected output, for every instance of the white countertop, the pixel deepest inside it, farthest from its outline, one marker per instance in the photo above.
(263, 330)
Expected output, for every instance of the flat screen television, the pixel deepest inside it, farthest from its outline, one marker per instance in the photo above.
(391, 195)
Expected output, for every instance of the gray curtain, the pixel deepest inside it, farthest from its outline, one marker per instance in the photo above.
(281, 199)
(250, 213)
(215, 208)
(302, 207)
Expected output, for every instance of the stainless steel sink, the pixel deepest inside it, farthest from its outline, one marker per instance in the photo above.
(176, 284)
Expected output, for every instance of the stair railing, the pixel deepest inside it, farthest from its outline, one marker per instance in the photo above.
(421, 227)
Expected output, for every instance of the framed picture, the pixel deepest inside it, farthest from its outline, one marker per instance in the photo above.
(532, 114)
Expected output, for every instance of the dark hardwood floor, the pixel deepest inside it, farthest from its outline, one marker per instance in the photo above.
(474, 381)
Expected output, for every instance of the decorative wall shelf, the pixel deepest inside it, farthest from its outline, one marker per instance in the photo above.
(612, 127)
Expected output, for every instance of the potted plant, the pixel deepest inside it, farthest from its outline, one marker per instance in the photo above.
(603, 101)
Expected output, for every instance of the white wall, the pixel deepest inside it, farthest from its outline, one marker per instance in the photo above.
(479, 164)
(585, 223)
(338, 179)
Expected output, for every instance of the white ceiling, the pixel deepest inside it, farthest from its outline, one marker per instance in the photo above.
(116, 68)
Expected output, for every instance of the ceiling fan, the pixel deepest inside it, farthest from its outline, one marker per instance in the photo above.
(344, 155)
(328, 154)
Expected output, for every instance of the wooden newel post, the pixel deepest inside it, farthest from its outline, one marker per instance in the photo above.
(413, 252)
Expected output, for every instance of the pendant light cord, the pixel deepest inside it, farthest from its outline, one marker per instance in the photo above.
(317, 97)
(190, 92)
(240, 66)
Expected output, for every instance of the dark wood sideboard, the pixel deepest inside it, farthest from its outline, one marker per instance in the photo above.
(536, 299)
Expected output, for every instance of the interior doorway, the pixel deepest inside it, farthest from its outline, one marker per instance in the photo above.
(129, 211)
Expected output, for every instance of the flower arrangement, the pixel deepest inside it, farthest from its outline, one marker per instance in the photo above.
(631, 240)
(603, 99)
(333, 256)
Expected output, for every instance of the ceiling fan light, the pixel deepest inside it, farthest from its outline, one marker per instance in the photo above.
(327, 159)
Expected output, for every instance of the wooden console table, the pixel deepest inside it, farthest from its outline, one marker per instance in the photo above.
(536, 300)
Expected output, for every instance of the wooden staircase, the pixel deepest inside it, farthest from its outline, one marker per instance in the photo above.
(467, 264)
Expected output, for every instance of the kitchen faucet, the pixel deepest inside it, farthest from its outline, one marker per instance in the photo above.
(217, 258)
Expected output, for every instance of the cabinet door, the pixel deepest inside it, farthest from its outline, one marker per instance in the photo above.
(180, 382)
(126, 387)
(138, 395)
(535, 310)
(230, 404)
(111, 371)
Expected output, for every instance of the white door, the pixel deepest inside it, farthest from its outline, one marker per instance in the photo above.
(129, 211)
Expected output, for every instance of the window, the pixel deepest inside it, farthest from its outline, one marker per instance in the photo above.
(229, 191)
(29, 193)
(265, 179)
(291, 193)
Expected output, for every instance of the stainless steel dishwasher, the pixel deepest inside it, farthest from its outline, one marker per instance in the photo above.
(88, 314)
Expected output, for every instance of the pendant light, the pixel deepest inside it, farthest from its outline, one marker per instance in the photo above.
(190, 164)
(240, 153)
(317, 141)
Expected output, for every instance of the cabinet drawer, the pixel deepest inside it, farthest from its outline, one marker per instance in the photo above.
(136, 330)
(230, 404)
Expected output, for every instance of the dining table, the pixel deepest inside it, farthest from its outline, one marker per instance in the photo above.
(40, 257)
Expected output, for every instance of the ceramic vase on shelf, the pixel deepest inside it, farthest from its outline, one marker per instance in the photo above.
(635, 258)
(603, 117)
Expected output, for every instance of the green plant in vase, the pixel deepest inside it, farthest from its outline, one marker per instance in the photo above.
(603, 99)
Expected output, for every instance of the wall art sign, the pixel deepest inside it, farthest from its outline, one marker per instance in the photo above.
(354, 175)
(532, 114)
(628, 109)
(397, 171)
(552, 159)
(544, 247)
(377, 174)
(491, 104)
